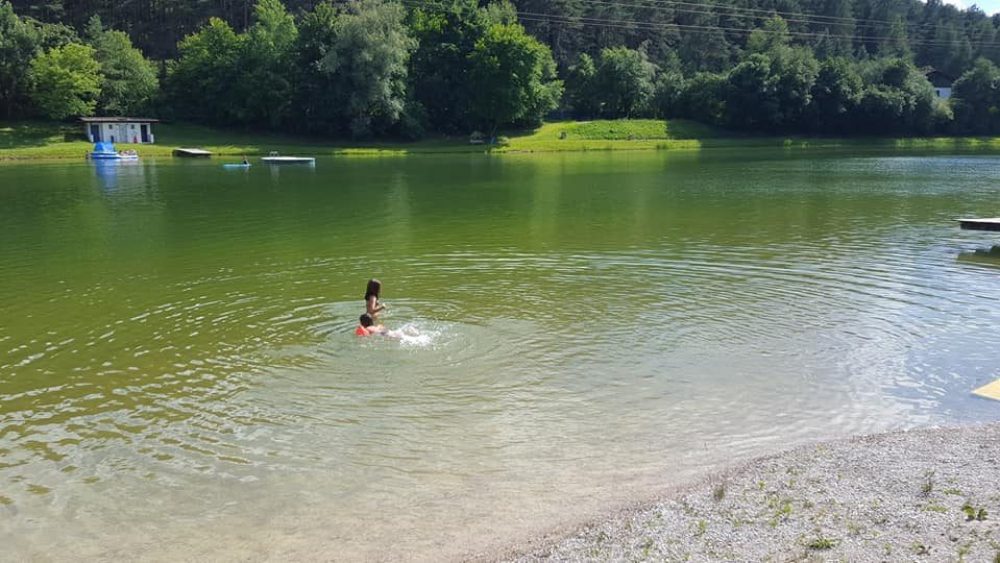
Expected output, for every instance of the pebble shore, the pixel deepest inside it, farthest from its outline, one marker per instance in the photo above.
(927, 495)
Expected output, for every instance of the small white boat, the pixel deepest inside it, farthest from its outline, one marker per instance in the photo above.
(236, 166)
(274, 158)
(106, 151)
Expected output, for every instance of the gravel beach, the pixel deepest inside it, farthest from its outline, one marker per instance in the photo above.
(927, 495)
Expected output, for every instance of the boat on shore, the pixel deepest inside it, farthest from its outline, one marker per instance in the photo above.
(106, 151)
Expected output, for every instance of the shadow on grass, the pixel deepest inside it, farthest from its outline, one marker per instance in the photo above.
(28, 134)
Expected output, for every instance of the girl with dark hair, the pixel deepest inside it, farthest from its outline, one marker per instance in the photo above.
(372, 305)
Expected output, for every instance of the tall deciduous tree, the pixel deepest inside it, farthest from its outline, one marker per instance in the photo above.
(625, 82)
(66, 81)
(704, 98)
(514, 77)
(581, 88)
(130, 81)
(265, 75)
(440, 66)
(19, 42)
(369, 59)
(204, 80)
(316, 108)
(835, 96)
(976, 99)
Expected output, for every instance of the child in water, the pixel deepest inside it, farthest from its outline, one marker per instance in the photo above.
(372, 305)
(369, 328)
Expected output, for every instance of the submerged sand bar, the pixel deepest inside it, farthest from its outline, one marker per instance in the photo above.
(922, 495)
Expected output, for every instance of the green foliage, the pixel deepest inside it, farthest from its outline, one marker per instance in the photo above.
(515, 78)
(581, 82)
(380, 67)
(369, 58)
(19, 42)
(772, 36)
(624, 82)
(795, 72)
(264, 84)
(667, 94)
(898, 99)
(315, 108)
(835, 96)
(751, 98)
(66, 81)
(822, 543)
(130, 81)
(973, 513)
(205, 78)
(772, 88)
(440, 66)
(976, 99)
(704, 98)
(499, 12)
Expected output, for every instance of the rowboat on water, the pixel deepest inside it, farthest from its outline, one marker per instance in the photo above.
(236, 166)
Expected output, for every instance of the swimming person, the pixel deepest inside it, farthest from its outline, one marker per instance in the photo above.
(368, 327)
(372, 305)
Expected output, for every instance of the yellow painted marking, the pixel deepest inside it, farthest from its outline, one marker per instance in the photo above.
(991, 391)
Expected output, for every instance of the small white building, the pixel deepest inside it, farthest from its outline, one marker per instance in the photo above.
(941, 82)
(136, 130)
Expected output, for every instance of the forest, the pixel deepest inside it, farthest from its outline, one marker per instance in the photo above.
(409, 68)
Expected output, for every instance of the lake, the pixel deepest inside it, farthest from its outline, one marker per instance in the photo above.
(179, 376)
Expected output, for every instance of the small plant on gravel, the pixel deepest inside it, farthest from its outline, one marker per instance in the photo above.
(973, 513)
(936, 508)
(782, 510)
(921, 549)
(719, 492)
(952, 491)
(822, 543)
(702, 527)
(647, 547)
(928, 486)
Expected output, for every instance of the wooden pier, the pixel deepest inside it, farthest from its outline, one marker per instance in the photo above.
(981, 224)
(192, 153)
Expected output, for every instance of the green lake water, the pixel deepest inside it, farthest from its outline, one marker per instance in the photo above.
(179, 378)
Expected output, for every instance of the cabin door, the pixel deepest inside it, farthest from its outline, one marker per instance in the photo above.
(144, 133)
(95, 132)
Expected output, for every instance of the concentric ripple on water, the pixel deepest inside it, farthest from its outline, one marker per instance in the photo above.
(179, 376)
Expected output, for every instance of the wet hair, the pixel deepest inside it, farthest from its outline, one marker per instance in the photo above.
(366, 320)
(374, 288)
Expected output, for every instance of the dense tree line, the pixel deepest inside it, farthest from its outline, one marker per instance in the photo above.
(365, 68)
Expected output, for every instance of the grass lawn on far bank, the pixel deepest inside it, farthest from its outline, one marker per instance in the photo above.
(42, 140)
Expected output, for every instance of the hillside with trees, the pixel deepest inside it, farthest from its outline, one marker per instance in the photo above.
(406, 68)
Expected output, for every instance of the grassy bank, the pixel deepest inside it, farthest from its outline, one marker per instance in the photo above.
(35, 141)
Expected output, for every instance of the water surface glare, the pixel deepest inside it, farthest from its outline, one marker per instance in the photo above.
(179, 378)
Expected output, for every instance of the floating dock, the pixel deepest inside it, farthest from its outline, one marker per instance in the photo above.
(981, 224)
(288, 160)
(192, 153)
